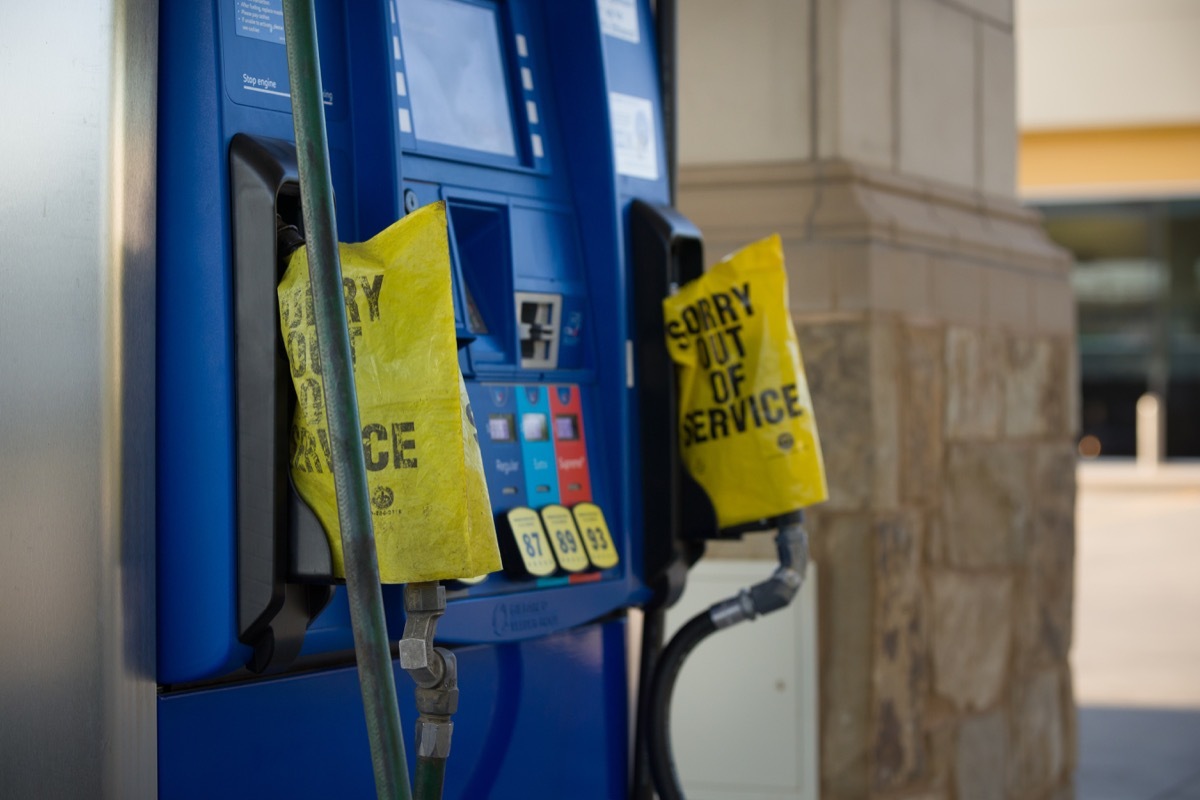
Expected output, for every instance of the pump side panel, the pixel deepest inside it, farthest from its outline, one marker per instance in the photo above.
(77, 695)
(540, 718)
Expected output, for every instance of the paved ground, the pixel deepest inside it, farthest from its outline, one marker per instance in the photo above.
(1137, 633)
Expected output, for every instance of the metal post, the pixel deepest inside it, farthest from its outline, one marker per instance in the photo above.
(1150, 432)
(341, 407)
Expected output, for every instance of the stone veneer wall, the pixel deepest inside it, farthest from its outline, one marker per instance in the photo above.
(937, 329)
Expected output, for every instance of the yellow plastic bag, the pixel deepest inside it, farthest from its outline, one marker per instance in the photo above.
(746, 428)
(429, 500)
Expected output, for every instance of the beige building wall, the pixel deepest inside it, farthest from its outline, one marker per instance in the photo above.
(1108, 63)
(1109, 104)
(878, 137)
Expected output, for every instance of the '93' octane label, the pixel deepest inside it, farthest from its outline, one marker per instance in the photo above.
(596, 537)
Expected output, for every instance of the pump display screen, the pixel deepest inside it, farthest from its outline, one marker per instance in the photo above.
(456, 78)
(500, 428)
(566, 427)
(534, 428)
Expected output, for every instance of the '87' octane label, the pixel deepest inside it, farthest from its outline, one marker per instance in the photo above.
(531, 543)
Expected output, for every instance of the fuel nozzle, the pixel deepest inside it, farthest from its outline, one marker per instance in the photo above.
(288, 239)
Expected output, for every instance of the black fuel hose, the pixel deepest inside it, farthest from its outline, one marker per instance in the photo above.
(770, 595)
(662, 758)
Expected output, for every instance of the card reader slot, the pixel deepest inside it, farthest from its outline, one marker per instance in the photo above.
(539, 327)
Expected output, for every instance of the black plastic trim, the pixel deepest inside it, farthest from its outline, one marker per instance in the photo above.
(273, 611)
(667, 250)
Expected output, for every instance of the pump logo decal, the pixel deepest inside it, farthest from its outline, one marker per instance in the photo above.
(574, 325)
(523, 617)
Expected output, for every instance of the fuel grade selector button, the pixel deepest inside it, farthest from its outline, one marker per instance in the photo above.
(565, 539)
(596, 538)
(526, 548)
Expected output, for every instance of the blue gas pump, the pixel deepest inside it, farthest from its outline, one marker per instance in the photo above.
(540, 124)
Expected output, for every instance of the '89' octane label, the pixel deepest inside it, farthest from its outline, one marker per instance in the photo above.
(565, 539)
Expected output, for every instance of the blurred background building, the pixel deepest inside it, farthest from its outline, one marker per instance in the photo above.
(937, 321)
(1109, 113)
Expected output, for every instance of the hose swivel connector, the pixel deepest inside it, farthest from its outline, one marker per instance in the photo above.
(775, 592)
(424, 605)
(433, 669)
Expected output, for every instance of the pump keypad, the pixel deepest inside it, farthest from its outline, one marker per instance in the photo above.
(534, 443)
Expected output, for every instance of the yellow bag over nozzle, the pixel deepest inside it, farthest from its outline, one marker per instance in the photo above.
(429, 499)
(746, 428)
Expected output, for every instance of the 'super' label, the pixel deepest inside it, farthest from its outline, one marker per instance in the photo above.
(597, 539)
(570, 444)
(565, 539)
(530, 538)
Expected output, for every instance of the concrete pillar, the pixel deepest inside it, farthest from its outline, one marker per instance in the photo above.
(937, 322)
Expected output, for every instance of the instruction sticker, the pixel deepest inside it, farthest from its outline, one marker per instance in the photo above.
(635, 135)
(596, 537)
(619, 19)
(259, 19)
(564, 538)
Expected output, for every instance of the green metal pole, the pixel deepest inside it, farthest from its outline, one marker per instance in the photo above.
(341, 407)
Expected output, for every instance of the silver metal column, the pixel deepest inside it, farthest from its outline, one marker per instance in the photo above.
(77, 178)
